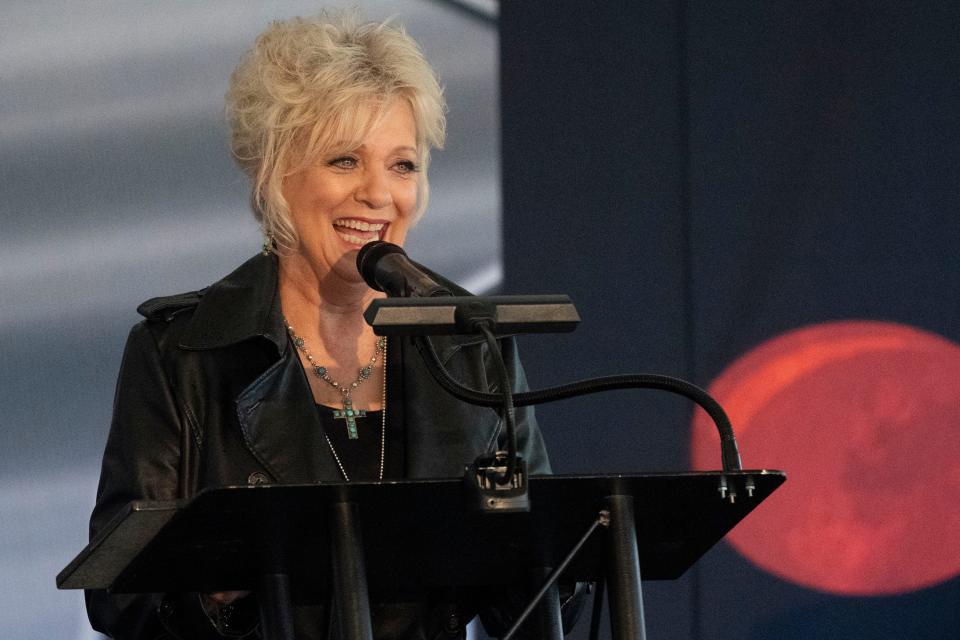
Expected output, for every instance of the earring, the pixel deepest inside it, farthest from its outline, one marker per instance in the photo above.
(269, 244)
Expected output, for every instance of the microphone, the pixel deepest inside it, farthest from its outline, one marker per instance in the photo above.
(386, 267)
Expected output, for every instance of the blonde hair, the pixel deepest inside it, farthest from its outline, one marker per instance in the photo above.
(312, 86)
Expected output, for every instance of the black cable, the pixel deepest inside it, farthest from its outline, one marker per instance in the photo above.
(506, 399)
(728, 444)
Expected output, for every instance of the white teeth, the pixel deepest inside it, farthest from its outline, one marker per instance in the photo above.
(370, 230)
(359, 225)
(352, 239)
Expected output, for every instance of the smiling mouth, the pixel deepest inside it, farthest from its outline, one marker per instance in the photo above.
(359, 232)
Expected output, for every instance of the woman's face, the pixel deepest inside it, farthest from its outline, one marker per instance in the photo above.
(348, 199)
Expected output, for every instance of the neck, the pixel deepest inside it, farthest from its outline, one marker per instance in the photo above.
(327, 310)
(302, 286)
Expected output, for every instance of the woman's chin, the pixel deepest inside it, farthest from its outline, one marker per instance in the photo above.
(346, 267)
(346, 249)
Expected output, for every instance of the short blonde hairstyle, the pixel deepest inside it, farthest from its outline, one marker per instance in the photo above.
(314, 86)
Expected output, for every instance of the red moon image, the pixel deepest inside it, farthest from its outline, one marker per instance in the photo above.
(864, 417)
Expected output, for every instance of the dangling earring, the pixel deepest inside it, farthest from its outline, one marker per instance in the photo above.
(269, 244)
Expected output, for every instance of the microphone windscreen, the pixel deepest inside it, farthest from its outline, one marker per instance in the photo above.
(368, 257)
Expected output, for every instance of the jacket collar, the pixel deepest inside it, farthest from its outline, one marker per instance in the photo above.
(246, 304)
(243, 305)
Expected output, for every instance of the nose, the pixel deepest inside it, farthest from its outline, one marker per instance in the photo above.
(374, 190)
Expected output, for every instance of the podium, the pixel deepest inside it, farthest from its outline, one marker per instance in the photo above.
(402, 537)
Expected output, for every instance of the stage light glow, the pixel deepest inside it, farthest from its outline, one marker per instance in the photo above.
(864, 417)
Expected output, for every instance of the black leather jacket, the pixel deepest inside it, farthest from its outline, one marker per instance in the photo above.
(211, 393)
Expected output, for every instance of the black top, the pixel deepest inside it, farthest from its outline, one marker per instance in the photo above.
(361, 457)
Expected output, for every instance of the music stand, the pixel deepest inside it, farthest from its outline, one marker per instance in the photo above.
(395, 538)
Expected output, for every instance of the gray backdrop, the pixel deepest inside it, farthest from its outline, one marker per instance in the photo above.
(118, 186)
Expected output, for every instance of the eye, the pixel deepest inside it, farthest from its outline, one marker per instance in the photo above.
(406, 166)
(344, 162)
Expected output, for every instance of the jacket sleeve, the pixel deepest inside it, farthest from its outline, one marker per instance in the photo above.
(149, 438)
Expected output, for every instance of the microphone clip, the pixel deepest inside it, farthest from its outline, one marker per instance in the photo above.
(471, 316)
(490, 490)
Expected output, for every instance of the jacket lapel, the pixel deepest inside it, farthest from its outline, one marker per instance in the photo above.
(281, 427)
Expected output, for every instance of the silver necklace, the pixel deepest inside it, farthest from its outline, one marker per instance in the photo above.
(349, 414)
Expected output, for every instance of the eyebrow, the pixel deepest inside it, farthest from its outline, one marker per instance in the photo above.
(395, 149)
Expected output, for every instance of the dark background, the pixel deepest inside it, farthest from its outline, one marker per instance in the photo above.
(703, 176)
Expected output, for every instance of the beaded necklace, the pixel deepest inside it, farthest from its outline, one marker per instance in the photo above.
(349, 414)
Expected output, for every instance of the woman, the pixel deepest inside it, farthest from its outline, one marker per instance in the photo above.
(271, 374)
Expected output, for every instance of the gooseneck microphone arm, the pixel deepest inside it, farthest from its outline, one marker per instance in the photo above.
(729, 451)
(505, 399)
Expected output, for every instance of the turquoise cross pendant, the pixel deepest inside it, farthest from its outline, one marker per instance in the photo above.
(350, 415)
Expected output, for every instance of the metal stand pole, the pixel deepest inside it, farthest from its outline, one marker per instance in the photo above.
(276, 612)
(623, 572)
(548, 611)
(597, 611)
(350, 594)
